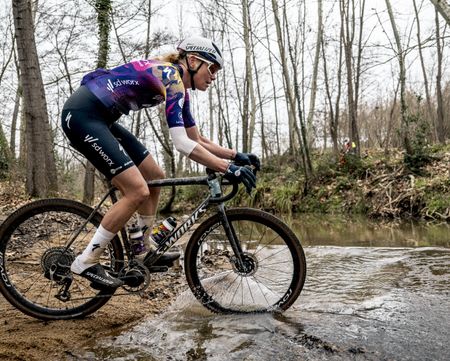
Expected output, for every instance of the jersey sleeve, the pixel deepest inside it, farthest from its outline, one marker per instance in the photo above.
(175, 96)
(187, 115)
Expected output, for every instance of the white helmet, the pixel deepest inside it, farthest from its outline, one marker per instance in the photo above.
(204, 47)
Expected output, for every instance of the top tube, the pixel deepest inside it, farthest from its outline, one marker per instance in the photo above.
(178, 181)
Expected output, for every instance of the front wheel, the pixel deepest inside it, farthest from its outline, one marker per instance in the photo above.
(35, 265)
(273, 271)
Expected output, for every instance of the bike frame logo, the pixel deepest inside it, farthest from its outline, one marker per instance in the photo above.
(183, 228)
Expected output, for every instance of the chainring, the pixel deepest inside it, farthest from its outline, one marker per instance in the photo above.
(136, 277)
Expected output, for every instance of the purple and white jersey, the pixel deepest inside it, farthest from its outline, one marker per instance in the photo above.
(143, 84)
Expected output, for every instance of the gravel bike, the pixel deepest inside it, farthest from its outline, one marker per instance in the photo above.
(239, 260)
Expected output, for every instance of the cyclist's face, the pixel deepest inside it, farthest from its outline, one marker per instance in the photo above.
(206, 74)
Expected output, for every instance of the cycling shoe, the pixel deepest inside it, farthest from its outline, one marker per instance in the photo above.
(100, 279)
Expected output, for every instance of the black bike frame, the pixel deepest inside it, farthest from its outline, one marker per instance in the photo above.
(212, 181)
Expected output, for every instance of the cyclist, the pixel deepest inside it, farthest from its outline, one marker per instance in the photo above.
(89, 120)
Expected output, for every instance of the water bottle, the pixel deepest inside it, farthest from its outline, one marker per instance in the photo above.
(160, 232)
(136, 238)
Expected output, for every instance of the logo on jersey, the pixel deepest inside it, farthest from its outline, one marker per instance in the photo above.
(90, 139)
(122, 150)
(114, 171)
(120, 82)
(68, 117)
(167, 72)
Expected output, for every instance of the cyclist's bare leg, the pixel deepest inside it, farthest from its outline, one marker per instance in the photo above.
(150, 170)
(134, 192)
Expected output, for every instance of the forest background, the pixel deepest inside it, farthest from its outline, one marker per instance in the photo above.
(300, 77)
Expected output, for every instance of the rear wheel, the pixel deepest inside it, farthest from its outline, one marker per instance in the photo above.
(35, 265)
(273, 271)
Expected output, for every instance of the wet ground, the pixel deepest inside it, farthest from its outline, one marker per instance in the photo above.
(379, 295)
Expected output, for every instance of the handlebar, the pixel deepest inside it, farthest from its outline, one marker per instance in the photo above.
(211, 174)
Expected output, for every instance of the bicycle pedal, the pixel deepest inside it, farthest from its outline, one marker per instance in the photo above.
(155, 269)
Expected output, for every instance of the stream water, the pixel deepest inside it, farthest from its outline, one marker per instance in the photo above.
(373, 292)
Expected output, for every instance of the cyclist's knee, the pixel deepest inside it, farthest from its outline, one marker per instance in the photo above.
(158, 173)
(138, 194)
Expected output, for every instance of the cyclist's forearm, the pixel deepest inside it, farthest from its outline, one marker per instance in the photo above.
(203, 156)
(216, 149)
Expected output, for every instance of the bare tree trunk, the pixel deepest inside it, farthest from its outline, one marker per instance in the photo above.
(440, 129)
(103, 8)
(264, 146)
(272, 77)
(387, 140)
(302, 132)
(334, 110)
(12, 142)
(237, 89)
(15, 116)
(424, 72)
(5, 153)
(248, 60)
(443, 8)
(347, 38)
(404, 128)
(41, 167)
(138, 125)
(312, 102)
(286, 79)
(248, 116)
(168, 155)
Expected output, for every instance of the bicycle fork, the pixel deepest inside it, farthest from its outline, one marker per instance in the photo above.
(232, 237)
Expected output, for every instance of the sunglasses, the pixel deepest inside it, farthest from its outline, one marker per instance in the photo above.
(213, 68)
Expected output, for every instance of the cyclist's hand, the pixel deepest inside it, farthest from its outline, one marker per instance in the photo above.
(237, 174)
(247, 159)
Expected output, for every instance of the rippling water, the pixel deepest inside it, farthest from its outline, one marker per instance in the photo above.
(362, 303)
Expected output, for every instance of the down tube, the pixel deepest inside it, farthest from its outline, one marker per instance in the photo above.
(182, 229)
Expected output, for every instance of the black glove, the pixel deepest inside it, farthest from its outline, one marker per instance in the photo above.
(236, 174)
(247, 159)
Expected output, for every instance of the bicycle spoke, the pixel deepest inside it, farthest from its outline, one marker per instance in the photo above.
(234, 295)
(269, 262)
(250, 290)
(276, 264)
(264, 295)
(277, 270)
(37, 236)
(274, 254)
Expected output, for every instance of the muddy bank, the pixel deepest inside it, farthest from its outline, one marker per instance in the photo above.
(25, 338)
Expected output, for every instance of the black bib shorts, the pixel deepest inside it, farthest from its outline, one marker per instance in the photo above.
(92, 130)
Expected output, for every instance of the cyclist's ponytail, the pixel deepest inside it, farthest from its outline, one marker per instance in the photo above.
(173, 57)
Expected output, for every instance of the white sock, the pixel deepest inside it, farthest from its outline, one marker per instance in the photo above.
(93, 251)
(146, 221)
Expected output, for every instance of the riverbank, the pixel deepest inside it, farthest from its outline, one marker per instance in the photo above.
(375, 186)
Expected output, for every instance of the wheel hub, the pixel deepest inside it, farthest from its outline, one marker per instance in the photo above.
(56, 262)
(249, 265)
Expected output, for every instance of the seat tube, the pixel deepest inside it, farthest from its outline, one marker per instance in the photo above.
(230, 232)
